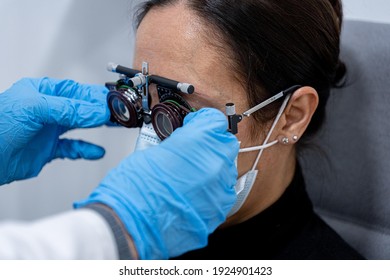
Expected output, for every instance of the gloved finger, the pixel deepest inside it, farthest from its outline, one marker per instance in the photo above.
(75, 149)
(208, 116)
(71, 113)
(68, 88)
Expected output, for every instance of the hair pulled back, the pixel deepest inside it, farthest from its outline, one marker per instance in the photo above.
(275, 44)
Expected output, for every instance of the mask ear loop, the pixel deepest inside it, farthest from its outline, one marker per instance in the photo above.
(265, 143)
(256, 148)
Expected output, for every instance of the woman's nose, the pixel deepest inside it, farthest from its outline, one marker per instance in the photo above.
(153, 95)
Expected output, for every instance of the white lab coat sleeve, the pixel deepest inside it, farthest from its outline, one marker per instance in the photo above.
(78, 234)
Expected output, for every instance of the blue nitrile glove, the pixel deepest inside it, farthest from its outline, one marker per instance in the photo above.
(170, 197)
(33, 115)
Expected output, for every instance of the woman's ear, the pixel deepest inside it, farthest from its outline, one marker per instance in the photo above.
(298, 113)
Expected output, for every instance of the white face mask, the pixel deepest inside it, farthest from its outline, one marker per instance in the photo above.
(148, 138)
(245, 182)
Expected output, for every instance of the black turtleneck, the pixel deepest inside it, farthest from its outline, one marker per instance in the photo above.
(288, 229)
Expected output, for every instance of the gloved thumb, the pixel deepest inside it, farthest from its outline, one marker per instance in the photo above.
(75, 149)
(205, 116)
(72, 113)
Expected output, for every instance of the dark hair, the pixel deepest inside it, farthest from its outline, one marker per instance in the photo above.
(275, 44)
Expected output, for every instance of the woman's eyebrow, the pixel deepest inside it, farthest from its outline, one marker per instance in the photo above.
(205, 100)
(200, 94)
(205, 95)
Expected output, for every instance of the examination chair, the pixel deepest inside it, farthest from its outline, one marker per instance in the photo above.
(347, 169)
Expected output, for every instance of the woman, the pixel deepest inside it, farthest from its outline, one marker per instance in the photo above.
(245, 52)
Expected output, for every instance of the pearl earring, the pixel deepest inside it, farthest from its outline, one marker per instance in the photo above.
(295, 138)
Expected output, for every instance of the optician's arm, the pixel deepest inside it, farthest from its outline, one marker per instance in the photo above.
(158, 203)
(170, 197)
(82, 234)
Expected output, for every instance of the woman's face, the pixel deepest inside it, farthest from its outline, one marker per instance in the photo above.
(176, 44)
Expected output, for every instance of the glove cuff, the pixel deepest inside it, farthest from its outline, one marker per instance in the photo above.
(125, 250)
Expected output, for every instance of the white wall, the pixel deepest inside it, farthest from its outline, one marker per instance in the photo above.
(76, 39)
(368, 10)
(64, 39)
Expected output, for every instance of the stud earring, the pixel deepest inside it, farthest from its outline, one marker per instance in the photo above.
(295, 138)
(285, 140)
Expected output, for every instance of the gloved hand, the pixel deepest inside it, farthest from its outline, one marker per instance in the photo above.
(33, 115)
(170, 197)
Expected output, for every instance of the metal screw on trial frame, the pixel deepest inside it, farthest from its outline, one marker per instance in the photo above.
(145, 92)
